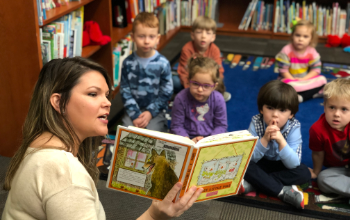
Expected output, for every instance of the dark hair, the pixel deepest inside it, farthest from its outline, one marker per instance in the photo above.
(278, 95)
(57, 76)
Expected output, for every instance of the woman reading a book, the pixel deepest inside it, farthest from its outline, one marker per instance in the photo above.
(53, 174)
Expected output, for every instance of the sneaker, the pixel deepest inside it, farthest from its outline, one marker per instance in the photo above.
(227, 96)
(293, 196)
(300, 98)
(245, 188)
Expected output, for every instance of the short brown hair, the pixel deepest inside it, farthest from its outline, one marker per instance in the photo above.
(204, 22)
(198, 63)
(314, 36)
(337, 88)
(147, 19)
(278, 95)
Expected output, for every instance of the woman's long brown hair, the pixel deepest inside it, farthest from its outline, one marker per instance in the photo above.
(57, 76)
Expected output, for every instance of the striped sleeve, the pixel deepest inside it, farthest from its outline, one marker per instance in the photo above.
(315, 63)
(283, 62)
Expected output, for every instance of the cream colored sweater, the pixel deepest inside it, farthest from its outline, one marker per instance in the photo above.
(52, 184)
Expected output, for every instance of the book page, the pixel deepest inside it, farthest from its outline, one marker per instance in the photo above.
(171, 137)
(219, 169)
(224, 137)
(146, 165)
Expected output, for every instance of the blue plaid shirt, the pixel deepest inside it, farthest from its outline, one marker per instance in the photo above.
(145, 88)
(290, 155)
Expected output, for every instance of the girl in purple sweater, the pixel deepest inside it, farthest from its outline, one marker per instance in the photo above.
(200, 110)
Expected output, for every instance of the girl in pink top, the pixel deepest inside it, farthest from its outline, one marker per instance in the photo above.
(299, 63)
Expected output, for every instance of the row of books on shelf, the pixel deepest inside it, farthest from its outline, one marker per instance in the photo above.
(178, 12)
(63, 37)
(191, 9)
(327, 19)
(183, 12)
(258, 15)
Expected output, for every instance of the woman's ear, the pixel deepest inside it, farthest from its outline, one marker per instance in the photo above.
(55, 101)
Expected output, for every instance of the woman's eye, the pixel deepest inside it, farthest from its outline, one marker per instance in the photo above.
(93, 94)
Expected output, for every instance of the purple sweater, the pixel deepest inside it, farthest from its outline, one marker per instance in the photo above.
(191, 118)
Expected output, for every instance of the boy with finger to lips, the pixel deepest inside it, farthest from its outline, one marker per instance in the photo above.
(275, 167)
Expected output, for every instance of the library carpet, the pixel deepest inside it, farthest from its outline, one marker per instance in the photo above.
(244, 86)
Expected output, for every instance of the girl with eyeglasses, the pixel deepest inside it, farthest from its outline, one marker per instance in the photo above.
(200, 110)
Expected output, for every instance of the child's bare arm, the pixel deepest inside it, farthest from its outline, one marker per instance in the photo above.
(317, 159)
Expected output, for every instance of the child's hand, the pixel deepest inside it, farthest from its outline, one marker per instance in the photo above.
(271, 128)
(145, 117)
(276, 134)
(313, 174)
(137, 122)
(167, 209)
(196, 139)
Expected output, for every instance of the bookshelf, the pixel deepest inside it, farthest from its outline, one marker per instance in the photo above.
(231, 14)
(22, 61)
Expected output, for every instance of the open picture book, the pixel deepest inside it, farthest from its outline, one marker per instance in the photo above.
(149, 163)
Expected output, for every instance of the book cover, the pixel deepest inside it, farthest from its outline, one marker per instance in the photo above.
(149, 163)
(46, 51)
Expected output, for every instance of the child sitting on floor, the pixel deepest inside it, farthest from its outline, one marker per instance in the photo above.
(329, 140)
(275, 167)
(203, 36)
(299, 60)
(200, 110)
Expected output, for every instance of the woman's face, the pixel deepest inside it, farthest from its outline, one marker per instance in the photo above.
(88, 106)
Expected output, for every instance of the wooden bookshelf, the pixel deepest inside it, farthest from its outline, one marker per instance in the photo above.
(88, 51)
(232, 12)
(164, 39)
(120, 33)
(55, 13)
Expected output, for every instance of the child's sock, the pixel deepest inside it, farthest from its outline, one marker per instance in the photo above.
(246, 187)
(291, 195)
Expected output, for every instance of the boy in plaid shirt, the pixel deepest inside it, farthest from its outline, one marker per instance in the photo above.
(275, 167)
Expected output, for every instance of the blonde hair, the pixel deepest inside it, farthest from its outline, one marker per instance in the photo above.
(308, 24)
(146, 19)
(337, 88)
(204, 22)
(201, 64)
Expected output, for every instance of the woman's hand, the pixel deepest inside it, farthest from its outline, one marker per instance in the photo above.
(167, 209)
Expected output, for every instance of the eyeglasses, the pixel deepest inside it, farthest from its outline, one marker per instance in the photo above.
(196, 85)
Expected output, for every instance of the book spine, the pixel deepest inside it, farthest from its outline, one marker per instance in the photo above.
(188, 172)
(245, 16)
(254, 5)
(281, 16)
(275, 26)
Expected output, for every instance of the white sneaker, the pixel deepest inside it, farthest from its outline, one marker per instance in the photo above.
(227, 96)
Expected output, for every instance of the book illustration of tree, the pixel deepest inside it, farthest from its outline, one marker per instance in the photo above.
(134, 154)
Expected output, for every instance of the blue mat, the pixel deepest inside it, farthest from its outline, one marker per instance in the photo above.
(244, 86)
